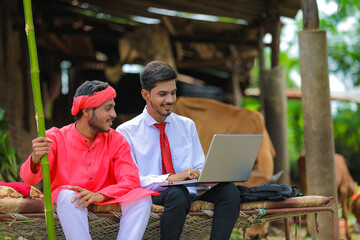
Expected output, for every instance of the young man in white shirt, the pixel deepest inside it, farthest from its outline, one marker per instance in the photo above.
(158, 81)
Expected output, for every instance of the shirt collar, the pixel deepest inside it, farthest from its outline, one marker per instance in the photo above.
(151, 121)
(77, 135)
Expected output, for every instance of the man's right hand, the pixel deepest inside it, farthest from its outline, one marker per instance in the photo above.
(184, 175)
(41, 147)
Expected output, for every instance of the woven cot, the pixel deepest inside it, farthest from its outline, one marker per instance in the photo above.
(25, 217)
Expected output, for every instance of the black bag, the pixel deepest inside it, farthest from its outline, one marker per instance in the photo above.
(273, 192)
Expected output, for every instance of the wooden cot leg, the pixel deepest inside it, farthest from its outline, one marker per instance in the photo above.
(335, 226)
(287, 229)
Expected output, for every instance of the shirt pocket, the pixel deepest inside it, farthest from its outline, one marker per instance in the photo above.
(182, 157)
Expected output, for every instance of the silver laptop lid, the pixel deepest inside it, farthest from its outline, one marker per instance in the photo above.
(230, 158)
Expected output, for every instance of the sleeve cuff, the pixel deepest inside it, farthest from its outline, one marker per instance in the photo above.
(165, 177)
(36, 167)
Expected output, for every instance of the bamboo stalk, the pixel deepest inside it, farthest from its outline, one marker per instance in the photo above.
(39, 116)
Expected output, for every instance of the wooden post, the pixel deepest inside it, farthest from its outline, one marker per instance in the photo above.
(261, 68)
(318, 129)
(235, 81)
(275, 101)
(275, 43)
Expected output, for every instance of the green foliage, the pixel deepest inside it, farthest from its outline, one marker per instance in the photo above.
(295, 128)
(8, 157)
(344, 42)
(347, 135)
(346, 127)
(295, 135)
(5, 236)
(236, 235)
(290, 64)
(251, 103)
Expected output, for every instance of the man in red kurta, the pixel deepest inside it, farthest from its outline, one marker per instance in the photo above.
(91, 163)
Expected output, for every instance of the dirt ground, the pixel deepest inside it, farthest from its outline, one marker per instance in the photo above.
(277, 233)
(296, 232)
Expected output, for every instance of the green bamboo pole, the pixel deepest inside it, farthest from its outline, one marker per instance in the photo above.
(39, 116)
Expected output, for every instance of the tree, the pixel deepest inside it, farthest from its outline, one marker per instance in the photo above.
(343, 28)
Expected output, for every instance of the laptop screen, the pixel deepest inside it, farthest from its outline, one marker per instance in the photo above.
(230, 158)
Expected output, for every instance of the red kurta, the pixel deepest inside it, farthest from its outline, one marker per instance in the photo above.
(105, 167)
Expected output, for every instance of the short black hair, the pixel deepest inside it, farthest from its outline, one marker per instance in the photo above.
(154, 72)
(89, 88)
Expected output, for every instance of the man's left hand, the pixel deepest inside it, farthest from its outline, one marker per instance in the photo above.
(87, 197)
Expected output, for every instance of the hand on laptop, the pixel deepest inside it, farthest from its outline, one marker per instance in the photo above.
(184, 175)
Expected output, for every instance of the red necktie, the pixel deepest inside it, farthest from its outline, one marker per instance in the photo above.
(167, 166)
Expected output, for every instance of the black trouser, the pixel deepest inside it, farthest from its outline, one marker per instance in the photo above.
(176, 201)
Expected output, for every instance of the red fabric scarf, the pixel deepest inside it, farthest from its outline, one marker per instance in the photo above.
(93, 101)
(20, 187)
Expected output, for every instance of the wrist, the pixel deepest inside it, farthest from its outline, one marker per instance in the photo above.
(33, 160)
(105, 197)
(34, 167)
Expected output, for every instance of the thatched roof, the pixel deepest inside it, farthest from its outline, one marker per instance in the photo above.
(200, 38)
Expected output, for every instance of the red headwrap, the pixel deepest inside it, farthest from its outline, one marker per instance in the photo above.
(93, 101)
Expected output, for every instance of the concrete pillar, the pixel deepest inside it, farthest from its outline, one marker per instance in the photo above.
(275, 103)
(318, 128)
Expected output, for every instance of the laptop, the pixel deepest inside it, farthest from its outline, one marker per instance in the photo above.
(230, 158)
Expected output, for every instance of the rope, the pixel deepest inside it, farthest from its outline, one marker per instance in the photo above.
(18, 216)
(117, 214)
(154, 215)
(92, 216)
(261, 211)
(208, 212)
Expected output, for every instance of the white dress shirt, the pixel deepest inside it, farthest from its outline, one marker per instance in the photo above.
(144, 140)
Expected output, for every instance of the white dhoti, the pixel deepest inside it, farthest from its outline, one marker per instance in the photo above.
(74, 221)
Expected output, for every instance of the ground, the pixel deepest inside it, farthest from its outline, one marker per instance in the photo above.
(277, 233)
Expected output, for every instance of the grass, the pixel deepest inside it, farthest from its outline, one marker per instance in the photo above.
(4, 236)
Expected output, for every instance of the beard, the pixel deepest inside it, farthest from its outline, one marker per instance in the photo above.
(95, 124)
(163, 113)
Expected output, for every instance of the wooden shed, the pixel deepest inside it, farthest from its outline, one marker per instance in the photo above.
(210, 43)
